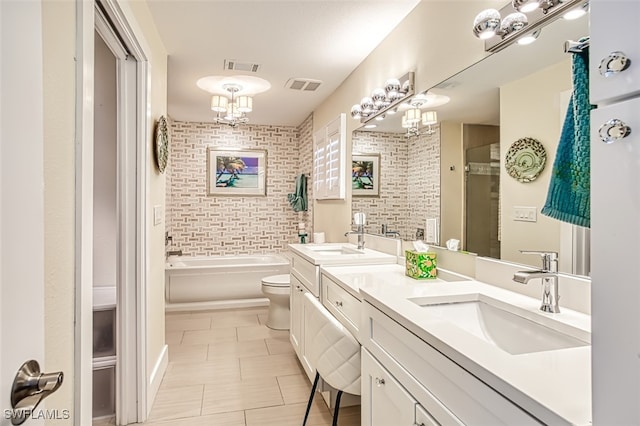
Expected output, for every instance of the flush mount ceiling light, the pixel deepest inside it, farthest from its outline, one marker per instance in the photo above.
(522, 17)
(384, 100)
(232, 97)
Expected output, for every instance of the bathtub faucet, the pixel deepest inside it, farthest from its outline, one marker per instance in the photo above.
(174, 253)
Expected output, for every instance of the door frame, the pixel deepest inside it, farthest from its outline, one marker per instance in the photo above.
(133, 100)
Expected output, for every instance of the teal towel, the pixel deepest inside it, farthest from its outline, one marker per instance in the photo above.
(569, 198)
(298, 199)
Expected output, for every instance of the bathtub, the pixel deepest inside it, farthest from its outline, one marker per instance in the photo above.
(216, 282)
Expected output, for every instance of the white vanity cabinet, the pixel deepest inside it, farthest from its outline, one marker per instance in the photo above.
(448, 394)
(385, 402)
(615, 207)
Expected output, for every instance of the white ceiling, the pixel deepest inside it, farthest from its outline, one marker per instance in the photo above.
(317, 39)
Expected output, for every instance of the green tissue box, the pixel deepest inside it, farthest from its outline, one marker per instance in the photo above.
(420, 265)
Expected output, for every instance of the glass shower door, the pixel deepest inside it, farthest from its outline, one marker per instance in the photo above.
(482, 203)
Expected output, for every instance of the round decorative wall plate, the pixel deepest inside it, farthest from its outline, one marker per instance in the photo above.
(525, 159)
(162, 144)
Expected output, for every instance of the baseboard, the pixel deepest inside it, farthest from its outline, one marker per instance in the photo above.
(156, 377)
(218, 304)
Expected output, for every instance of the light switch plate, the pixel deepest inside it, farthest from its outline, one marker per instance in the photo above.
(525, 214)
(157, 215)
(432, 234)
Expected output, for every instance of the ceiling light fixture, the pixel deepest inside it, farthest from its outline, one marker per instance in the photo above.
(498, 33)
(383, 101)
(414, 117)
(231, 111)
(232, 97)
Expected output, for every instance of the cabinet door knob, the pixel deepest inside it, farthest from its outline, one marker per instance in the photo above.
(615, 63)
(379, 382)
(613, 130)
(338, 304)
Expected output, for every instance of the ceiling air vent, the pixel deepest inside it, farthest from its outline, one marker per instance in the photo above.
(232, 64)
(304, 84)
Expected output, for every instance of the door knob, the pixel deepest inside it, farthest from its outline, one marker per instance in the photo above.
(29, 388)
(615, 63)
(614, 130)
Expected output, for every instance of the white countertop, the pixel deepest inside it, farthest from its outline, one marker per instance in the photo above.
(314, 254)
(554, 386)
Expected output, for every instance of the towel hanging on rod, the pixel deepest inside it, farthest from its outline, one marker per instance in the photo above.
(571, 46)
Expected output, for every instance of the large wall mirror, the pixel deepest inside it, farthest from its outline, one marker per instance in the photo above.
(455, 176)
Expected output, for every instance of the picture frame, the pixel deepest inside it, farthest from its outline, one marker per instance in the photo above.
(365, 175)
(241, 172)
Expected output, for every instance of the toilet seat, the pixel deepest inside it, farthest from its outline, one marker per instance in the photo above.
(281, 280)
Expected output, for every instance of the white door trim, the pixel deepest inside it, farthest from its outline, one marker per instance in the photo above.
(83, 347)
(133, 79)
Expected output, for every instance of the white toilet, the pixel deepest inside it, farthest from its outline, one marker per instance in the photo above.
(277, 288)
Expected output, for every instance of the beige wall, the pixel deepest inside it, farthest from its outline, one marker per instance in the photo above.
(451, 182)
(155, 181)
(59, 66)
(530, 107)
(433, 47)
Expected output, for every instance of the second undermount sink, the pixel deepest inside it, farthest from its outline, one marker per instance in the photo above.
(505, 326)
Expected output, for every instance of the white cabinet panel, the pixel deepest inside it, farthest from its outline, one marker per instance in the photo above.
(423, 418)
(295, 309)
(614, 28)
(615, 290)
(384, 401)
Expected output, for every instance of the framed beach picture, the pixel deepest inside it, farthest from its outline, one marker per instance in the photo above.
(365, 175)
(236, 172)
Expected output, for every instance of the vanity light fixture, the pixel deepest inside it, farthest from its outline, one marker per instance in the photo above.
(577, 12)
(385, 100)
(522, 18)
(232, 97)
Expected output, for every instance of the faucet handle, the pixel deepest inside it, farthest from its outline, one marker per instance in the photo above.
(549, 259)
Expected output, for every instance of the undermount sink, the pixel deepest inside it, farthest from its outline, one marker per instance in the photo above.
(333, 250)
(504, 326)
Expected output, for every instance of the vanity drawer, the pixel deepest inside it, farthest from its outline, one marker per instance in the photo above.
(443, 387)
(343, 305)
(423, 418)
(306, 272)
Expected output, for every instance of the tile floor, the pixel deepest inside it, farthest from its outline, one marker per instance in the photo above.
(227, 368)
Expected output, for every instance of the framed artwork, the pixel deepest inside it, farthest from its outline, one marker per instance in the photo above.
(365, 175)
(236, 172)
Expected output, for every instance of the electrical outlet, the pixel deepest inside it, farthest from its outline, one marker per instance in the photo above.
(420, 234)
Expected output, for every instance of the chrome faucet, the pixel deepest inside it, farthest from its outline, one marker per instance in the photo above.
(549, 276)
(387, 233)
(360, 233)
(359, 219)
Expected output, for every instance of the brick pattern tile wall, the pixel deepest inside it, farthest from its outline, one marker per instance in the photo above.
(409, 181)
(229, 225)
(391, 208)
(424, 179)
